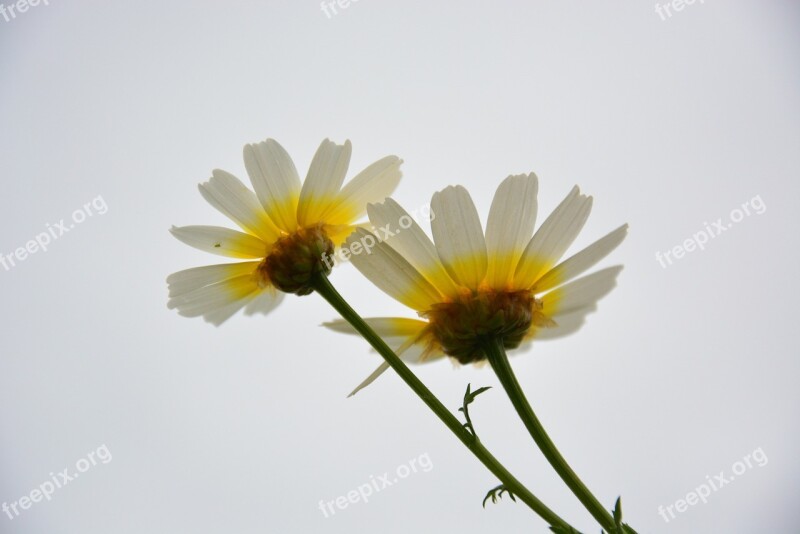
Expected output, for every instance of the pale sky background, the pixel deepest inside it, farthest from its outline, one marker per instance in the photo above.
(669, 124)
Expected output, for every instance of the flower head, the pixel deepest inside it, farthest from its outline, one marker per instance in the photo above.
(467, 286)
(288, 230)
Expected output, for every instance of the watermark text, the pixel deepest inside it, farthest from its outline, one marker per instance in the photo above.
(42, 241)
(56, 481)
(701, 493)
(10, 12)
(699, 239)
(421, 463)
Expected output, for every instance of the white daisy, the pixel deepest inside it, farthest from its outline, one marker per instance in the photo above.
(468, 286)
(286, 228)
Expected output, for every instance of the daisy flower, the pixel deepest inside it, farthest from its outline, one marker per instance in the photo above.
(507, 284)
(288, 230)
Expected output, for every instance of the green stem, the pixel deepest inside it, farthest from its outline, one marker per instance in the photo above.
(496, 354)
(323, 286)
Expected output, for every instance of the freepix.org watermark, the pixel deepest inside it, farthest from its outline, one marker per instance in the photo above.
(698, 241)
(56, 481)
(665, 11)
(329, 7)
(10, 11)
(421, 463)
(366, 243)
(40, 243)
(701, 493)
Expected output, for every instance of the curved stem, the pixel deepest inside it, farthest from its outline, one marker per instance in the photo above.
(323, 286)
(496, 354)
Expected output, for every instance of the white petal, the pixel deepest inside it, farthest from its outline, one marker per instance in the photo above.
(458, 236)
(230, 196)
(275, 180)
(324, 179)
(383, 326)
(265, 302)
(188, 280)
(220, 315)
(407, 337)
(222, 241)
(553, 238)
(510, 226)
(582, 261)
(388, 270)
(412, 243)
(371, 378)
(404, 336)
(415, 349)
(566, 324)
(373, 184)
(581, 293)
(217, 302)
(409, 350)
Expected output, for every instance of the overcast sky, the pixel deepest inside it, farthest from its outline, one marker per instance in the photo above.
(672, 121)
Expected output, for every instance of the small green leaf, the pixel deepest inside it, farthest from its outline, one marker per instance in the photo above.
(497, 493)
(477, 392)
(620, 527)
(469, 397)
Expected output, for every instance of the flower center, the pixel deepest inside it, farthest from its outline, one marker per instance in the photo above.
(296, 258)
(463, 325)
